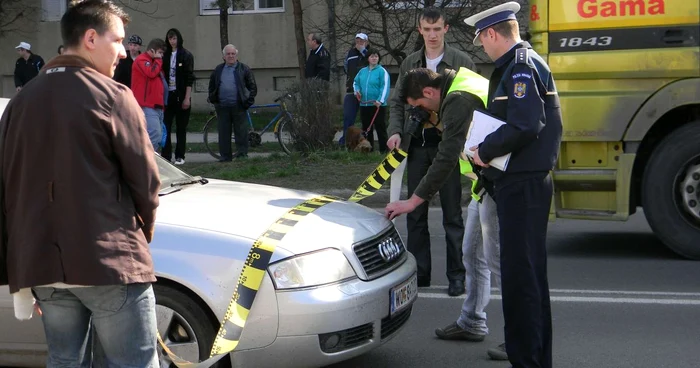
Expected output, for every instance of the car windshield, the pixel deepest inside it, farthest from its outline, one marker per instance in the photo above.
(169, 173)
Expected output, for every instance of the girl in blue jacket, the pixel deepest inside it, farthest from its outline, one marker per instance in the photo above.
(372, 90)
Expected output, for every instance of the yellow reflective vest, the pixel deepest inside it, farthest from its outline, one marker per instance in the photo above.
(469, 81)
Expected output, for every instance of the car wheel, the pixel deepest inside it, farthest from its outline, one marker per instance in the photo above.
(671, 191)
(185, 327)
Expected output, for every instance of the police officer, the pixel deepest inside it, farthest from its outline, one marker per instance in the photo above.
(522, 93)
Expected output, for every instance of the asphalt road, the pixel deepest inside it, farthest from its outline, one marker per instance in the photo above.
(619, 299)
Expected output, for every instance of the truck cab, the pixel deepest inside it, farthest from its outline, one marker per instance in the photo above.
(628, 76)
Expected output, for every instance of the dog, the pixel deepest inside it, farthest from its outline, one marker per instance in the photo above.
(356, 141)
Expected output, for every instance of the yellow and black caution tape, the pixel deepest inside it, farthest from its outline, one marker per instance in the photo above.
(259, 257)
(379, 176)
(249, 282)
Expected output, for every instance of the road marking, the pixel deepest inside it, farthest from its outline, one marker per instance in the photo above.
(583, 299)
(593, 291)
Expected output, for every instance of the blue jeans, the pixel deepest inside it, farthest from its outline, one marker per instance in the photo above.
(154, 119)
(350, 108)
(481, 255)
(104, 326)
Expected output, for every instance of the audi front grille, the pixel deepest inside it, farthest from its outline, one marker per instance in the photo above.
(374, 262)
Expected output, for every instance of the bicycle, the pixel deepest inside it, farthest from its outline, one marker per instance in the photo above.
(281, 122)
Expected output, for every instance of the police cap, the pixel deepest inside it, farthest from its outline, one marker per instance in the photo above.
(492, 16)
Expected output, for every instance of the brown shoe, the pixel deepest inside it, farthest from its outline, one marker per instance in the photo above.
(498, 353)
(454, 332)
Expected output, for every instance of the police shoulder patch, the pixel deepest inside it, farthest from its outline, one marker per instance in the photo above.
(519, 90)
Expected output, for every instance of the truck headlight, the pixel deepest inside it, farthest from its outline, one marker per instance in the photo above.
(311, 269)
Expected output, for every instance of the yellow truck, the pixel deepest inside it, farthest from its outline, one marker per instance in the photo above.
(628, 75)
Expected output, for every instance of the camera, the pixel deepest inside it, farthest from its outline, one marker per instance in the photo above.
(417, 115)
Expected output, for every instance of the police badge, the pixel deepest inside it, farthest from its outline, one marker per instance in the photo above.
(519, 90)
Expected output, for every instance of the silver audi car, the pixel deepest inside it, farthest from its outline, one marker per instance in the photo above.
(339, 284)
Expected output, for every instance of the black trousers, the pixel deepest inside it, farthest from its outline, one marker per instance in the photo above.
(366, 115)
(175, 112)
(523, 211)
(419, 160)
(228, 117)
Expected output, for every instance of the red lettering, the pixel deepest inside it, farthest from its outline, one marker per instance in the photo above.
(608, 9)
(631, 7)
(587, 12)
(533, 13)
(656, 7)
(622, 8)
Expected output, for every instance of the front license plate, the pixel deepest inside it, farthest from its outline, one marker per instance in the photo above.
(404, 294)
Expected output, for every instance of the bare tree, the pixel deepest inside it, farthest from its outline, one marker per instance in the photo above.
(392, 24)
(332, 38)
(299, 33)
(12, 14)
(147, 7)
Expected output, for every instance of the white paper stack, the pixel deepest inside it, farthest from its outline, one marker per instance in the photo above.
(481, 126)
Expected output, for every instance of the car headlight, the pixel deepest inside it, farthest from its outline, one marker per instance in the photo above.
(312, 269)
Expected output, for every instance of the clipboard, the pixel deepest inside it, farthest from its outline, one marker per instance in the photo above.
(482, 125)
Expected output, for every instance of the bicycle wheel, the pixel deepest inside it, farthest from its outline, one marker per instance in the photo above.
(212, 127)
(285, 136)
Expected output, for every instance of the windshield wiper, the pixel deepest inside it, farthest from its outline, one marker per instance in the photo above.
(189, 181)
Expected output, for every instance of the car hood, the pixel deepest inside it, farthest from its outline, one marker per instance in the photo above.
(247, 210)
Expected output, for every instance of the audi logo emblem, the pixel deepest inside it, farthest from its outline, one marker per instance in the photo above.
(389, 250)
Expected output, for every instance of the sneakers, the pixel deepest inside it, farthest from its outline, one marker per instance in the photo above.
(179, 161)
(454, 332)
(498, 353)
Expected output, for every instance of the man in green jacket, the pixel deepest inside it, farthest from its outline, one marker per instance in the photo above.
(421, 144)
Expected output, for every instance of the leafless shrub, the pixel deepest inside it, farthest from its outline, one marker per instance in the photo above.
(314, 110)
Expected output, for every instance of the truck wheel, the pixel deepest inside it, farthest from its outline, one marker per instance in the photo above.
(671, 191)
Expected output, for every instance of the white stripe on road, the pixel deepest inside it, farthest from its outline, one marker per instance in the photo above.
(583, 299)
(593, 291)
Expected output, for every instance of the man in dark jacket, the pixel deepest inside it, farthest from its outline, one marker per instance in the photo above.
(232, 90)
(178, 66)
(77, 218)
(355, 59)
(27, 66)
(123, 72)
(318, 65)
(421, 143)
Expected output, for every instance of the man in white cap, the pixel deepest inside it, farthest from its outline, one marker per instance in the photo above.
(355, 59)
(27, 66)
(523, 94)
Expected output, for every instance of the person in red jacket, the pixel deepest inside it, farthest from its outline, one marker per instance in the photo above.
(147, 85)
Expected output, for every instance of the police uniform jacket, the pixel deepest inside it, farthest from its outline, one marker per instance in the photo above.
(523, 94)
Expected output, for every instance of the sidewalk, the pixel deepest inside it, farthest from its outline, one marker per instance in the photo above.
(266, 137)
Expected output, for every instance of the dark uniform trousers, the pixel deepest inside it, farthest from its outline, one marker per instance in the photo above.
(523, 215)
(419, 160)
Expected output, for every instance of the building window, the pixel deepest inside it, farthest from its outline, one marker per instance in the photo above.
(52, 10)
(209, 7)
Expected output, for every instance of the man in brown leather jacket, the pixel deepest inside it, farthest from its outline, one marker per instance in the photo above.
(79, 191)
